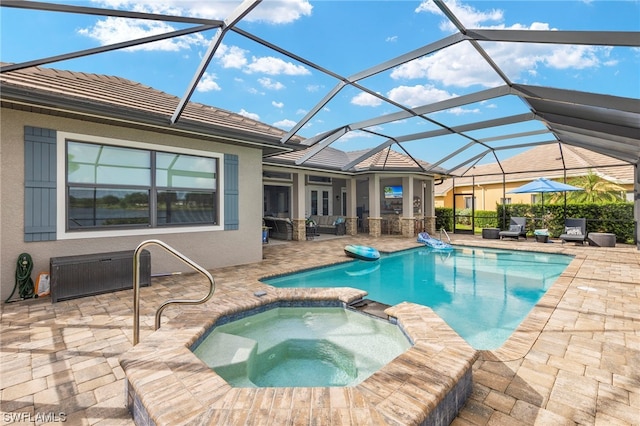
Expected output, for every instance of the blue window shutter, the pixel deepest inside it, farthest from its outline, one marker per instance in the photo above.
(231, 192)
(39, 184)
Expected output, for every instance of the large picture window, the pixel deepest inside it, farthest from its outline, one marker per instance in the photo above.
(118, 187)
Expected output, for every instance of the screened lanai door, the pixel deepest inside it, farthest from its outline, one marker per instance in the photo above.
(463, 213)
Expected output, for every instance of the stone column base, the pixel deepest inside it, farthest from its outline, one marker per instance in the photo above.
(407, 227)
(375, 224)
(430, 224)
(299, 230)
(351, 224)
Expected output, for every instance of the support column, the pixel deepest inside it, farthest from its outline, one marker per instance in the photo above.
(407, 221)
(351, 226)
(375, 226)
(375, 220)
(299, 229)
(429, 209)
(299, 204)
(430, 225)
(352, 216)
(407, 226)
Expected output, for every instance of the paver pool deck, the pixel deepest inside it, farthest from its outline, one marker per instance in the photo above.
(574, 360)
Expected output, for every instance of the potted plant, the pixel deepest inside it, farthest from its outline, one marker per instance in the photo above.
(265, 233)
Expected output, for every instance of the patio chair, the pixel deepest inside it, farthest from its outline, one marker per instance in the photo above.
(575, 230)
(516, 229)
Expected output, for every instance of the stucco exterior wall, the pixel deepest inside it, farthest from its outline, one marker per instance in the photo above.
(209, 248)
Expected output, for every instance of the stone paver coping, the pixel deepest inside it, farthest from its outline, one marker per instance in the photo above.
(168, 385)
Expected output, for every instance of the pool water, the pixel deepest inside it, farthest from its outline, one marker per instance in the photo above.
(483, 294)
(301, 347)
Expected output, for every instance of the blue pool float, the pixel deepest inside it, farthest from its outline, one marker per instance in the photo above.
(434, 243)
(362, 252)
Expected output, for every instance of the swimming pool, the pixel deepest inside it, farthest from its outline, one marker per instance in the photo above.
(483, 294)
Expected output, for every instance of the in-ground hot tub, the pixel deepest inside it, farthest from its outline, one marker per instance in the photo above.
(301, 347)
(167, 384)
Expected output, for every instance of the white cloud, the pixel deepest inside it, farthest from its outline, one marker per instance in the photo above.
(398, 122)
(231, 57)
(354, 134)
(301, 111)
(116, 30)
(281, 12)
(414, 96)
(273, 12)
(284, 124)
(210, 10)
(250, 115)
(111, 30)
(313, 88)
(462, 66)
(391, 39)
(267, 83)
(458, 65)
(277, 104)
(577, 57)
(463, 111)
(466, 14)
(365, 99)
(207, 83)
(274, 66)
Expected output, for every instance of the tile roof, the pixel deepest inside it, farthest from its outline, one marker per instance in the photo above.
(115, 96)
(547, 160)
(335, 159)
(118, 98)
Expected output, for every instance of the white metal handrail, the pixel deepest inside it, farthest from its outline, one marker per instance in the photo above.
(445, 233)
(136, 286)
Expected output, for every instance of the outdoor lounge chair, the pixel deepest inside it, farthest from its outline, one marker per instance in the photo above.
(516, 229)
(575, 230)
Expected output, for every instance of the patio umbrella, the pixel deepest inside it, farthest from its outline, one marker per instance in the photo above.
(543, 185)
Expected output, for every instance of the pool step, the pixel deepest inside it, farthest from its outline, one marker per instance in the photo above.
(225, 350)
(370, 307)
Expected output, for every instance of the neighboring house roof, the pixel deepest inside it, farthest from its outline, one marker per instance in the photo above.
(334, 159)
(550, 161)
(124, 102)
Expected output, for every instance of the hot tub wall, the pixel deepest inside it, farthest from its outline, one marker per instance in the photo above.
(168, 385)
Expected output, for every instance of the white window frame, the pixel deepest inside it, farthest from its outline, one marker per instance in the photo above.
(61, 202)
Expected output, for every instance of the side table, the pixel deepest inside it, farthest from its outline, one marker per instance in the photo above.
(542, 238)
(490, 233)
(310, 232)
(601, 239)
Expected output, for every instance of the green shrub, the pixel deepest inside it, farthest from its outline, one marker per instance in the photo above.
(616, 218)
(486, 219)
(444, 218)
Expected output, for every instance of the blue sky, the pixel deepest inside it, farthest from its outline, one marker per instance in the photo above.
(345, 37)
